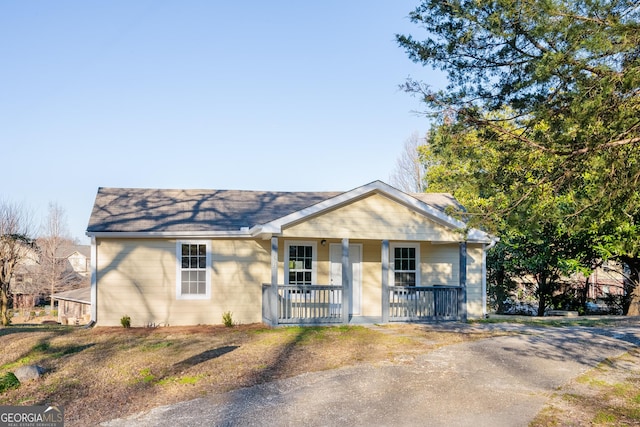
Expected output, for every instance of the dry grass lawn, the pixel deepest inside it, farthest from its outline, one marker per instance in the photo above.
(104, 373)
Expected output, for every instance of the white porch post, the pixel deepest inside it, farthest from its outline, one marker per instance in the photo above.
(385, 281)
(484, 281)
(94, 280)
(273, 300)
(346, 284)
(462, 295)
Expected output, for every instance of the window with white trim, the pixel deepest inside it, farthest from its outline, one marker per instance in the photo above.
(405, 264)
(300, 263)
(193, 278)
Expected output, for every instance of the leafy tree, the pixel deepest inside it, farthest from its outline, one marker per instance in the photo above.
(15, 245)
(545, 95)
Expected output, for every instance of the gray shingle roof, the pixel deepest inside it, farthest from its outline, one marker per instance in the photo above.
(131, 209)
(161, 210)
(82, 295)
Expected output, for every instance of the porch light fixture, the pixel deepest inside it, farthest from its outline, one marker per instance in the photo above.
(323, 242)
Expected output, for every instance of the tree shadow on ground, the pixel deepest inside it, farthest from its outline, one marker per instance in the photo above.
(203, 357)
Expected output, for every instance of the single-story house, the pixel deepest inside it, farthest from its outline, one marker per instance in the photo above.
(371, 254)
(74, 306)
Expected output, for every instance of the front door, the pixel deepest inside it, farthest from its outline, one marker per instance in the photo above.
(355, 273)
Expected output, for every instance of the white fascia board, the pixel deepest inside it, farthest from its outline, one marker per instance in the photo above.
(379, 187)
(169, 234)
(478, 236)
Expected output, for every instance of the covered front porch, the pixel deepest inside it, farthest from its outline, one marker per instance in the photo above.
(339, 302)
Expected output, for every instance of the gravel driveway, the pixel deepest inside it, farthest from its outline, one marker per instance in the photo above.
(501, 381)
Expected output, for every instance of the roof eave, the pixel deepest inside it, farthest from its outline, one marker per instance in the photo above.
(169, 234)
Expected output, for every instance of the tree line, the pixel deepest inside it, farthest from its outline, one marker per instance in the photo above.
(537, 133)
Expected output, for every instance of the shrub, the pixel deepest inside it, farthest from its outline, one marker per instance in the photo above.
(54, 313)
(227, 319)
(125, 321)
(8, 381)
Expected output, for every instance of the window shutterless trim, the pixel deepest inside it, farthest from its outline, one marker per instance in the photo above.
(314, 258)
(180, 269)
(392, 259)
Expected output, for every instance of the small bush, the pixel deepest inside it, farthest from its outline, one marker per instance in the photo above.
(54, 313)
(8, 381)
(42, 313)
(125, 321)
(227, 319)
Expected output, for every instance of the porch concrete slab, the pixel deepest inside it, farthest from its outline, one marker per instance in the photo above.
(501, 381)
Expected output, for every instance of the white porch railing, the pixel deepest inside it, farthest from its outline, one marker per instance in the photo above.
(416, 303)
(322, 304)
(299, 304)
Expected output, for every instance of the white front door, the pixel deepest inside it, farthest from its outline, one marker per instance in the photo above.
(355, 273)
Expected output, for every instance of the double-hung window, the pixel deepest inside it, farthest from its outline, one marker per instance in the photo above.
(193, 278)
(300, 263)
(405, 264)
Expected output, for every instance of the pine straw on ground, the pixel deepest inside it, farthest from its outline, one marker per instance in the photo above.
(104, 373)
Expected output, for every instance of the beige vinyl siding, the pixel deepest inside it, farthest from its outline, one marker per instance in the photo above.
(137, 277)
(374, 217)
(240, 267)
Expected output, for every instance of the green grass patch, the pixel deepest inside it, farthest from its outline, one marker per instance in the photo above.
(20, 362)
(546, 322)
(603, 417)
(146, 376)
(151, 346)
(8, 381)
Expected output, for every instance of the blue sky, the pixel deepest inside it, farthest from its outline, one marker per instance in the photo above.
(255, 95)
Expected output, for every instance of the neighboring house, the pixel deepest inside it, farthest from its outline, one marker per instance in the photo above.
(30, 284)
(77, 258)
(25, 287)
(607, 280)
(74, 307)
(372, 254)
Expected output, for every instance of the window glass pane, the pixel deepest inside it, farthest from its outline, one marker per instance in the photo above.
(193, 273)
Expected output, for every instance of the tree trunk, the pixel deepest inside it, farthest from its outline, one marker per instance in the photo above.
(631, 306)
(4, 306)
